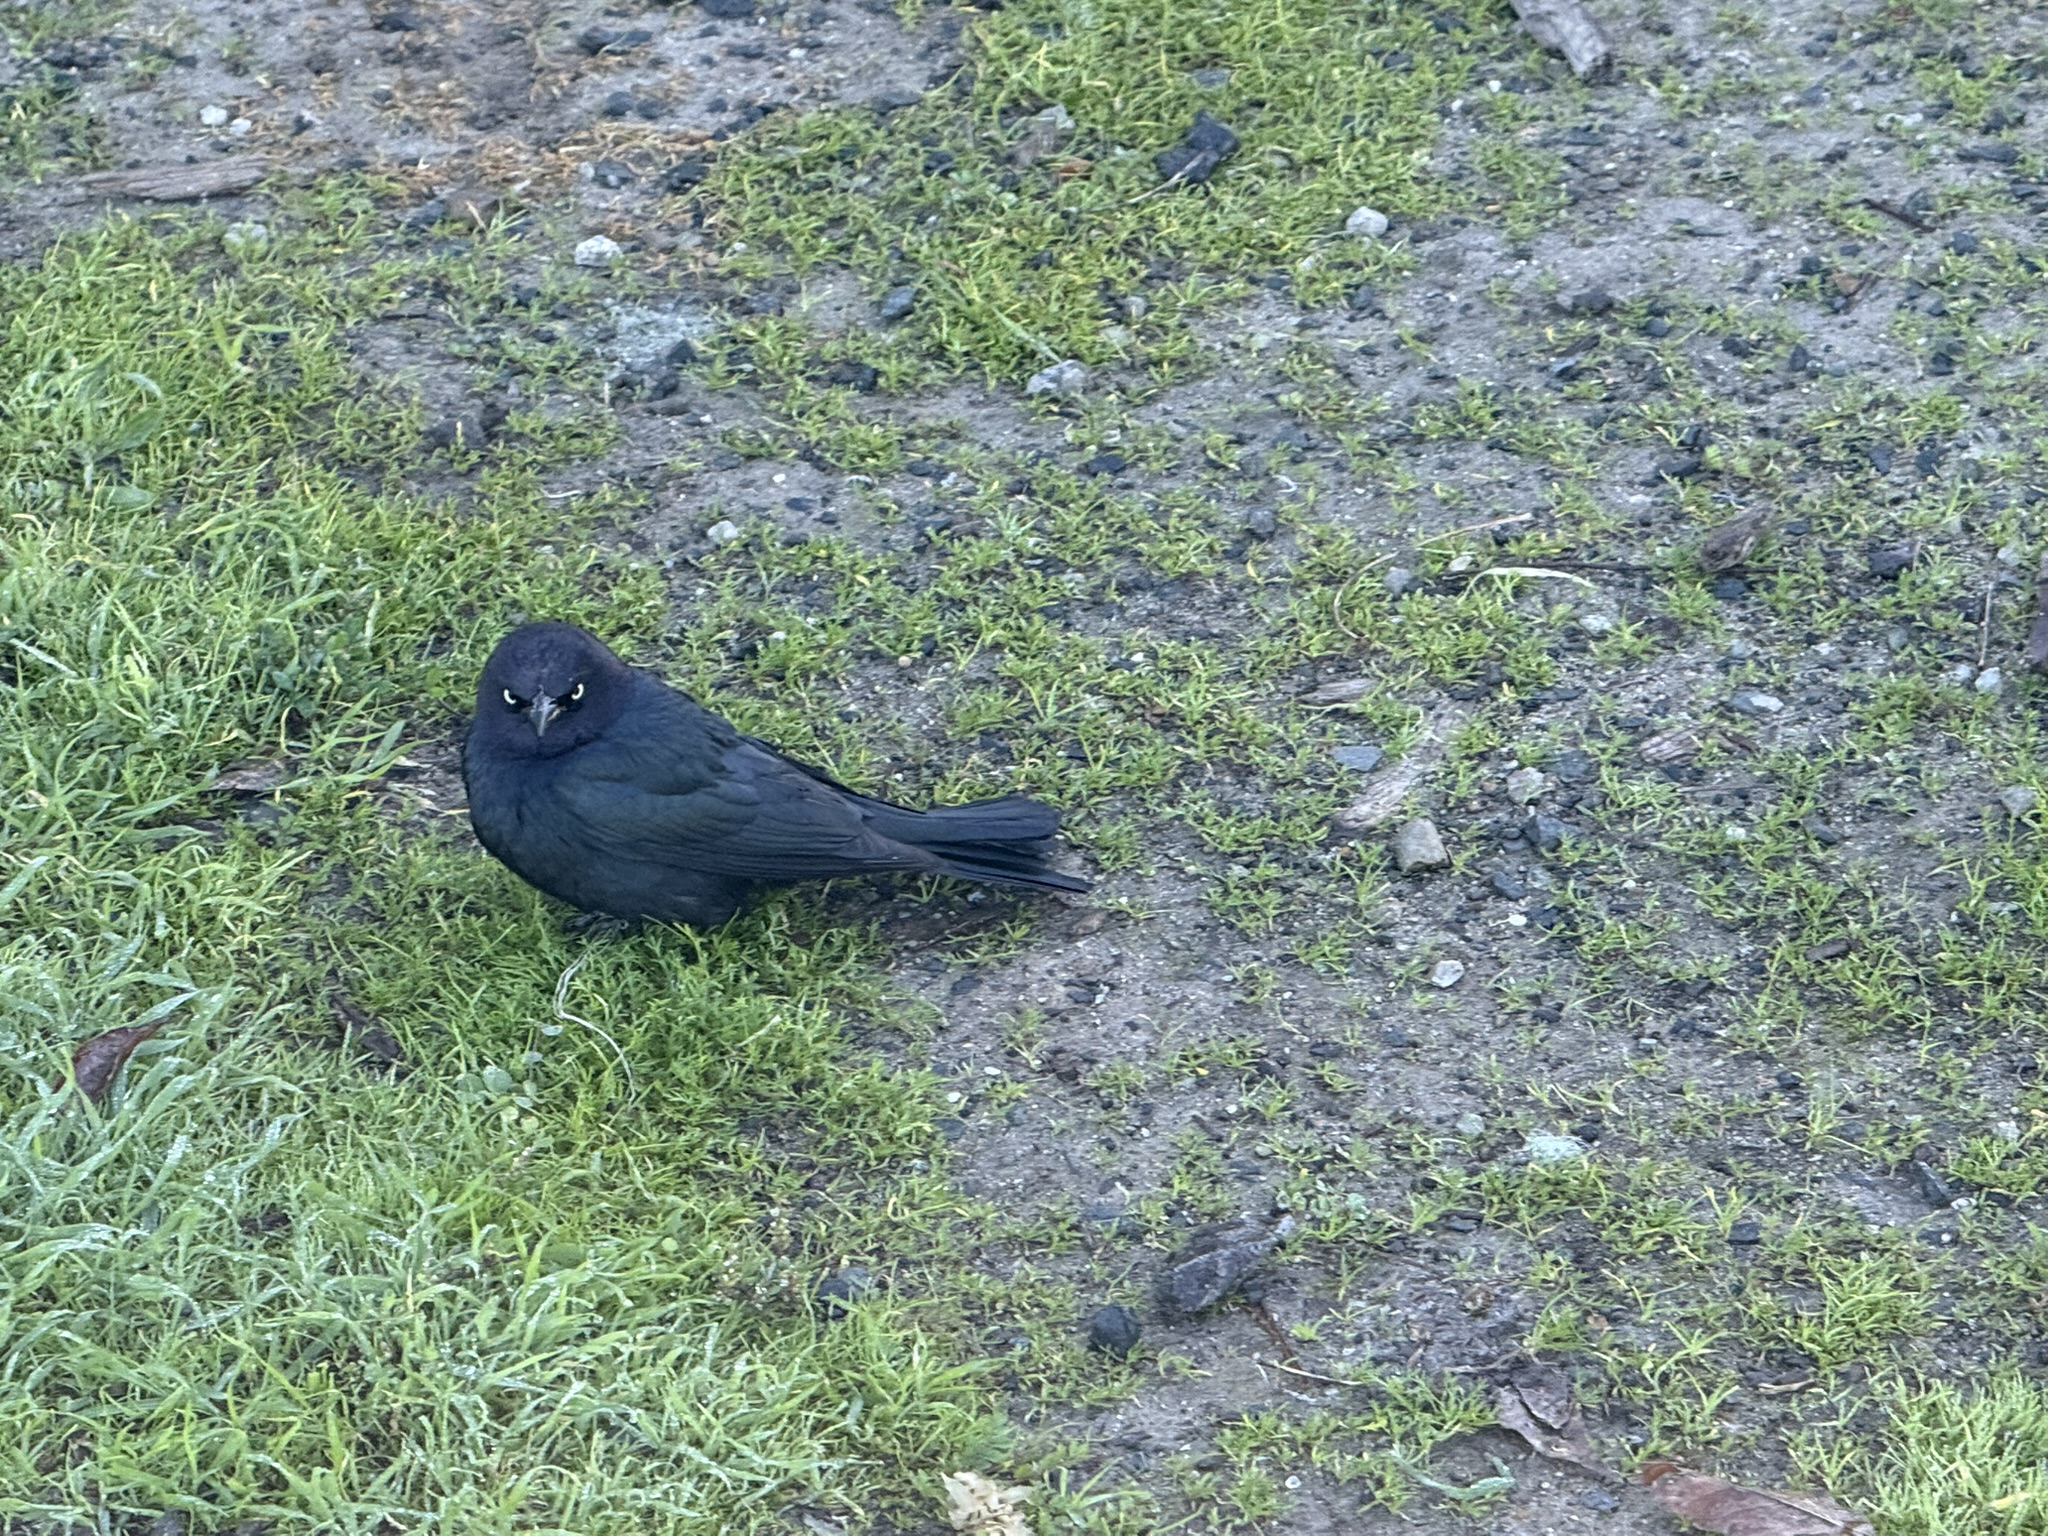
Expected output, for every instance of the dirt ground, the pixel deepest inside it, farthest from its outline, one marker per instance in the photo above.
(1487, 1009)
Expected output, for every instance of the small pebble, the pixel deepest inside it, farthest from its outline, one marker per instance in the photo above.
(1503, 884)
(1597, 623)
(1064, 379)
(1358, 759)
(1961, 674)
(1746, 1231)
(245, 238)
(213, 117)
(1260, 523)
(1544, 1148)
(598, 251)
(898, 302)
(1469, 1124)
(1751, 701)
(239, 128)
(1114, 1331)
(1419, 845)
(1369, 222)
(837, 1294)
(1447, 973)
(1398, 579)
(1525, 785)
(2018, 799)
(722, 532)
(1990, 680)
(1547, 833)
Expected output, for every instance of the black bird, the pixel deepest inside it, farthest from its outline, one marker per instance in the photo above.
(606, 788)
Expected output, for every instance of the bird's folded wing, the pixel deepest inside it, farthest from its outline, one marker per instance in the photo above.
(745, 812)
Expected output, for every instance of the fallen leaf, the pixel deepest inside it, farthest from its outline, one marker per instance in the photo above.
(985, 1508)
(1537, 1405)
(1729, 544)
(95, 1064)
(1722, 1507)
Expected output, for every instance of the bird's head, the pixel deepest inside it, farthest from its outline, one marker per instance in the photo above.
(549, 688)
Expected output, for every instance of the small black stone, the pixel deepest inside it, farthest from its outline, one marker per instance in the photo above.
(1728, 589)
(681, 355)
(1746, 1231)
(1192, 161)
(398, 19)
(1114, 1331)
(1547, 833)
(898, 302)
(1506, 886)
(612, 174)
(1657, 327)
(1682, 467)
(837, 1293)
(1963, 243)
(1260, 523)
(1889, 564)
(1933, 1188)
(728, 10)
(1881, 458)
(684, 174)
(1105, 464)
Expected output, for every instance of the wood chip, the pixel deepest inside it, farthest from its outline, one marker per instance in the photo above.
(1389, 787)
(1672, 746)
(179, 183)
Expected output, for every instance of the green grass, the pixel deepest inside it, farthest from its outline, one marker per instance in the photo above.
(1079, 254)
(251, 1287)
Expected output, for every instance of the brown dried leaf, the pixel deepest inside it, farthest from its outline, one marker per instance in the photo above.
(1731, 543)
(179, 183)
(1722, 1507)
(95, 1064)
(984, 1508)
(1537, 1405)
(251, 778)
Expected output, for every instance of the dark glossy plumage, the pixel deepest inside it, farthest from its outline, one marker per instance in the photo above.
(609, 790)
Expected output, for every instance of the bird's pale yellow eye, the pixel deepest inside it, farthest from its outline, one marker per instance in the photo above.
(510, 699)
(576, 693)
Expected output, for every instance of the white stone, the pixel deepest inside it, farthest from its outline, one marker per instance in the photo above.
(1990, 680)
(598, 251)
(1525, 785)
(1469, 1124)
(245, 238)
(240, 127)
(724, 531)
(1369, 222)
(1597, 623)
(1543, 1148)
(2018, 799)
(1751, 701)
(213, 117)
(1447, 973)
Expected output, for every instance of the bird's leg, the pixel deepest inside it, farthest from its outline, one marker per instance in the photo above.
(601, 925)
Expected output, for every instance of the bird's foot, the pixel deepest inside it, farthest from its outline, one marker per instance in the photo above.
(601, 925)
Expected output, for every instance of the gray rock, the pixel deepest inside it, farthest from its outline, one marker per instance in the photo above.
(898, 302)
(1215, 1261)
(1470, 1124)
(722, 532)
(1504, 884)
(1114, 1330)
(1751, 701)
(1358, 759)
(1260, 523)
(1546, 834)
(1525, 785)
(1990, 680)
(1419, 845)
(1369, 222)
(2018, 799)
(1447, 973)
(598, 251)
(1064, 379)
(1398, 579)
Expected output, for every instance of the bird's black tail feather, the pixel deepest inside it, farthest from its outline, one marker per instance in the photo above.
(1004, 841)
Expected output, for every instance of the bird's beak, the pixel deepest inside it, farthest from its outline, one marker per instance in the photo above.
(543, 710)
